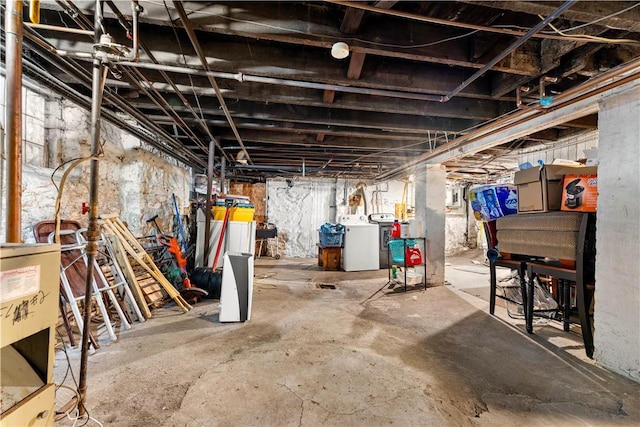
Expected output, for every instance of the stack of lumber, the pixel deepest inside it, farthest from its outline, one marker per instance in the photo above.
(139, 260)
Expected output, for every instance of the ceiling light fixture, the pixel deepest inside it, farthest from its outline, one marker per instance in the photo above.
(340, 50)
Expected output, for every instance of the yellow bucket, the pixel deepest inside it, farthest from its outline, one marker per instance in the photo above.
(218, 212)
(242, 214)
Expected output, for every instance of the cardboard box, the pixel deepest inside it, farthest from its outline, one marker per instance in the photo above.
(539, 189)
(580, 189)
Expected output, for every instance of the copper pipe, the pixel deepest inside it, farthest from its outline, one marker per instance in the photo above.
(61, 29)
(519, 91)
(13, 90)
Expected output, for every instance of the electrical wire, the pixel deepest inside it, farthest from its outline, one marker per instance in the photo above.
(415, 46)
(184, 57)
(73, 410)
(586, 24)
(63, 180)
(602, 19)
(594, 38)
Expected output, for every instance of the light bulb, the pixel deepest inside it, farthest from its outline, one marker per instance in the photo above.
(340, 50)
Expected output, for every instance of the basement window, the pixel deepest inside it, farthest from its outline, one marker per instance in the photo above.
(34, 137)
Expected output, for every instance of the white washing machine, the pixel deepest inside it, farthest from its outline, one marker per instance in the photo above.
(360, 249)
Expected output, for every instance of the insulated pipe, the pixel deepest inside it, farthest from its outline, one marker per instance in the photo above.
(93, 231)
(566, 5)
(186, 23)
(13, 106)
(241, 77)
(223, 173)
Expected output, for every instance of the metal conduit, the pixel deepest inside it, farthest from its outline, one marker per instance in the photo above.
(203, 60)
(160, 102)
(241, 77)
(566, 5)
(185, 102)
(83, 22)
(124, 106)
(449, 23)
(630, 71)
(83, 101)
(70, 68)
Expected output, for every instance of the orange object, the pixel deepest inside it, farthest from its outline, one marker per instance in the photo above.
(580, 193)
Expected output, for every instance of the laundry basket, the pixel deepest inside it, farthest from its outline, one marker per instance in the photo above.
(400, 247)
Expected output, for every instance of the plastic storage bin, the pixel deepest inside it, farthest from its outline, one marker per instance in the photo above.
(242, 213)
(219, 209)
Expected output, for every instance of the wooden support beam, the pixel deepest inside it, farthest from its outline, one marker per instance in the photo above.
(328, 96)
(355, 65)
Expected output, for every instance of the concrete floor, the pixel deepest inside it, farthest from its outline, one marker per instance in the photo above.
(350, 356)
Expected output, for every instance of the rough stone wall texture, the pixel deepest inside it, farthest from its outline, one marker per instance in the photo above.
(617, 292)
(456, 233)
(133, 182)
(299, 206)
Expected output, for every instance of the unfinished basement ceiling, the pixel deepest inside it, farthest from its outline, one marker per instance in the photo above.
(418, 76)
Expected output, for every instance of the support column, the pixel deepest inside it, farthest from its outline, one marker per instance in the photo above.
(617, 294)
(430, 188)
(13, 108)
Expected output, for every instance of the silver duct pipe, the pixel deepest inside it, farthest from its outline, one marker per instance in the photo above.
(13, 123)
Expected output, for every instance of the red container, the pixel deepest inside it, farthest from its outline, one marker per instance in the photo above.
(396, 229)
(413, 256)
